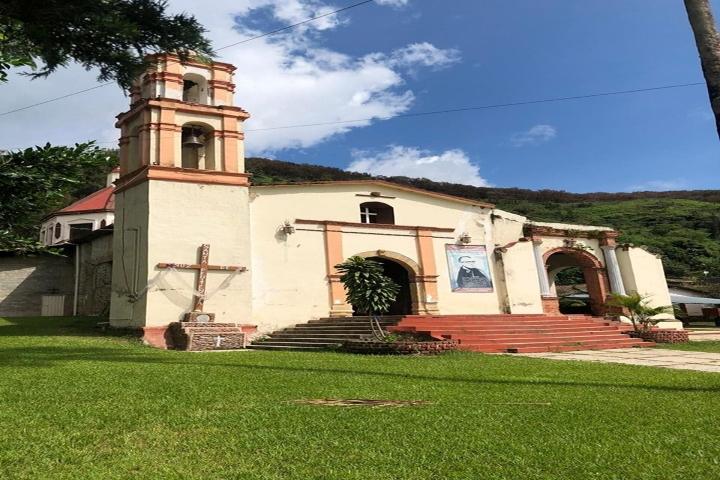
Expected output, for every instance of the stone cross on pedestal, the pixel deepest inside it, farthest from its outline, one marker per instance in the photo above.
(203, 267)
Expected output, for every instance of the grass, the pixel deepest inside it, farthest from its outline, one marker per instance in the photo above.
(77, 405)
(711, 346)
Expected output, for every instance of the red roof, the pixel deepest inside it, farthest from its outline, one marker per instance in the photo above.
(100, 201)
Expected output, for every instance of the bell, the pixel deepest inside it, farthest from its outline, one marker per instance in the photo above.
(193, 141)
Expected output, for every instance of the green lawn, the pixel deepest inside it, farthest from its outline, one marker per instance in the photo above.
(74, 405)
(704, 346)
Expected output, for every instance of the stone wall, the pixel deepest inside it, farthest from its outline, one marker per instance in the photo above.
(25, 278)
(95, 276)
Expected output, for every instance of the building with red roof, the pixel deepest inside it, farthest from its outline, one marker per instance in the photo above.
(93, 212)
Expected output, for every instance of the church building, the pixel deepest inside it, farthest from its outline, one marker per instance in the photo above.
(194, 239)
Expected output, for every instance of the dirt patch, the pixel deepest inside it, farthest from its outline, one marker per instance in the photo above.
(361, 402)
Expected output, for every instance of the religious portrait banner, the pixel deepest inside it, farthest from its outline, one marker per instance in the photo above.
(469, 269)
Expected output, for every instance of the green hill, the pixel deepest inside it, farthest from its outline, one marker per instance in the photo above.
(683, 226)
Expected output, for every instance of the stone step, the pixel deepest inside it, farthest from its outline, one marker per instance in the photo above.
(335, 339)
(582, 345)
(538, 338)
(318, 344)
(260, 346)
(319, 335)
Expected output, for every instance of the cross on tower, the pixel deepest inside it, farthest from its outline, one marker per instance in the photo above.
(202, 269)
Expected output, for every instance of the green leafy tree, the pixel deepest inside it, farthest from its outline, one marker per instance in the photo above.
(39, 180)
(637, 308)
(368, 289)
(111, 35)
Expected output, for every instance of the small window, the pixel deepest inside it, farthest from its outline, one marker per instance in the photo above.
(103, 224)
(80, 229)
(57, 231)
(376, 212)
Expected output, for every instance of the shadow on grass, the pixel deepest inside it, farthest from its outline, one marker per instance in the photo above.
(57, 327)
(47, 356)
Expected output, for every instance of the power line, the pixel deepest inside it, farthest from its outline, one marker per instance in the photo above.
(481, 107)
(487, 107)
(266, 34)
(54, 99)
(288, 27)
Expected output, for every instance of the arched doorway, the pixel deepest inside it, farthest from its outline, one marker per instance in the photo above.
(567, 267)
(398, 274)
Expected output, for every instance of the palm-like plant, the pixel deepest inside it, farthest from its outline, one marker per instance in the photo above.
(368, 289)
(638, 310)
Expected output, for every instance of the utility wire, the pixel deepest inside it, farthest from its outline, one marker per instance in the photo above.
(479, 107)
(288, 27)
(54, 99)
(266, 34)
(487, 107)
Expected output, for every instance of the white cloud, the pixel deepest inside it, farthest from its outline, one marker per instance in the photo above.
(281, 80)
(449, 166)
(424, 54)
(392, 3)
(660, 185)
(534, 136)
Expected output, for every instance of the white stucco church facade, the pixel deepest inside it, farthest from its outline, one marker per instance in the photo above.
(182, 185)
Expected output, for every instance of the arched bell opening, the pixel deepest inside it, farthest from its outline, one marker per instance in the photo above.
(198, 147)
(578, 279)
(195, 89)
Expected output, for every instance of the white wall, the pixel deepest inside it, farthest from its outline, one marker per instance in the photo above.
(289, 273)
(643, 272)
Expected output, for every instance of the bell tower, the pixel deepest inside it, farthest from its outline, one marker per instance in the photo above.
(182, 185)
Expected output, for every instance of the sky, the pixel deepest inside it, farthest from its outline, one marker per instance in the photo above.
(391, 58)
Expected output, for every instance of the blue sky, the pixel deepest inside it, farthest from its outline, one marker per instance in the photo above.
(406, 56)
(518, 50)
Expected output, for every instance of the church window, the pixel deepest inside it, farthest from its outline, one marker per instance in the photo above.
(57, 231)
(376, 212)
(79, 229)
(195, 88)
(103, 224)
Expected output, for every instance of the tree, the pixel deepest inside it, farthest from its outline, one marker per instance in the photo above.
(637, 308)
(708, 45)
(368, 289)
(37, 181)
(111, 35)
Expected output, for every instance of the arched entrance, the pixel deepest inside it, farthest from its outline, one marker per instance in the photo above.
(404, 271)
(398, 274)
(565, 263)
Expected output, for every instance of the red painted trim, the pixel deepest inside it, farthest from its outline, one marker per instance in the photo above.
(187, 175)
(375, 226)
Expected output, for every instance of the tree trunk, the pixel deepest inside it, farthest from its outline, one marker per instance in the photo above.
(708, 45)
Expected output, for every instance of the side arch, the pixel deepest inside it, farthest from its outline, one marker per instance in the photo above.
(594, 273)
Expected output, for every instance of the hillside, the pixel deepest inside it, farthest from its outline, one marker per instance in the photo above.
(683, 226)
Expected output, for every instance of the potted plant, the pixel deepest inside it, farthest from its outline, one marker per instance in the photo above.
(372, 293)
(368, 289)
(636, 307)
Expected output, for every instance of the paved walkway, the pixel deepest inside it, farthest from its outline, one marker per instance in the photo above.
(651, 357)
(700, 335)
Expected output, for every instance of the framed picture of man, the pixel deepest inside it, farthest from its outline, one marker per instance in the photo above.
(469, 268)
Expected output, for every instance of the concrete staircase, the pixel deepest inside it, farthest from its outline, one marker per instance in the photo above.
(523, 333)
(321, 334)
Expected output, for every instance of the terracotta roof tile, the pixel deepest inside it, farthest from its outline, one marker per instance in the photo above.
(102, 200)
